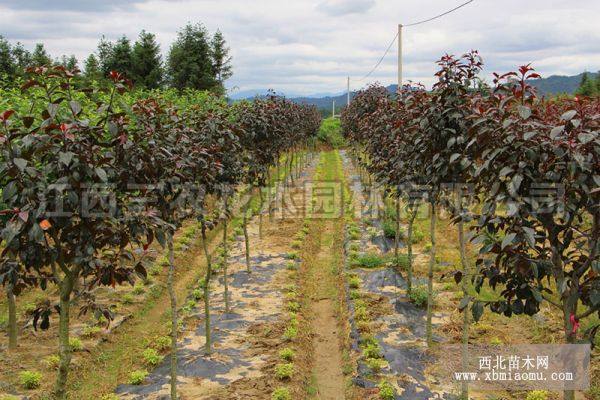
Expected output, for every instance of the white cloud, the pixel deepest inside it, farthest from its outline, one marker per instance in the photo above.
(308, 46)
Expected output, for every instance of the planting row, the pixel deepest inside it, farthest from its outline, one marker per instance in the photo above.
(92, 177)
(530, 164)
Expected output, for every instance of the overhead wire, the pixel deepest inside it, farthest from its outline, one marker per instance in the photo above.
(409, 25)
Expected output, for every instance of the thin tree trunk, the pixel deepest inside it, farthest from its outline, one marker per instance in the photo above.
(64, 348)
(260, 214)
(411, 222)
(397, 236)
(225, 285)
(430, 276)
(207, 346)
(246, 239)
(464, 284)
(12, 318)
(269, 196)
(173, 299)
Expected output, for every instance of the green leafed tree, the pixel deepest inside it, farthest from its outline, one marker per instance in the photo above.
(7, 62)
(221, 60)
(40, 56)
(147, 61)
(21, 56)
(92, 68)
(190, 62)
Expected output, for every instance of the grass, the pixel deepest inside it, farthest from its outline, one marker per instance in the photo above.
(30, 379)
(369, 260)
(418, 296)
(284, 371)
(137, 377)
(281, 394)
(330, 133)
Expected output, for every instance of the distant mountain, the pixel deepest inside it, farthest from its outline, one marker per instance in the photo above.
(554, 84)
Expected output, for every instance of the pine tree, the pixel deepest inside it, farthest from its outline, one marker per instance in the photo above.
(105, 50)
(40, 56)
(189, 63)
(22, 57)
(586, 86)
(7, 62)
(221, 60)
(92, 68)
(122, 57)
(147, 61)
(69, 62)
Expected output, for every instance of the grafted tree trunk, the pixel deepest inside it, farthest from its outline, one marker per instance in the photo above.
(12, 318)
(464, 284)
(411, 220)
(64, 348)
(246, 238)
(207, 346)
(225, 261)
(430, 275)
(397, 236)
(173, 299)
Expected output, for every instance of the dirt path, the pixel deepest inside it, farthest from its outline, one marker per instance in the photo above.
(322, 267)
(327, 355)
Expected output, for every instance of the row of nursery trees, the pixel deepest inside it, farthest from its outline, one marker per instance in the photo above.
(521, 173)
(91, 178)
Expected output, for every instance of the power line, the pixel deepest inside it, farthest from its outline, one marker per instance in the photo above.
(438, 16)
(407, 25)
(381, 59)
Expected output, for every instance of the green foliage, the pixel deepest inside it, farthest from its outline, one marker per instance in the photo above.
(401, 261)
(372, 349)
(386, 390)
(109, 396)
(138, 289)
(189, 62)
(51, 361)
(284, 371)
(354, 282)
(128, 298)
(147, 70)
(291, 266)
(537, 395)
(281, 394)
(75, 344)
(30, 379)
(90, 331)
(369, 260)
(293, 306)
(137, 377)
(418, 295)
(330, 133)
(151, 357)
(287, 354)
(290, 333)
(197, 294)
(376, 364)
(162, 343)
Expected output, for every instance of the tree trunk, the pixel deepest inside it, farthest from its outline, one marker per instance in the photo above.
(246, 239)
(270, 196)
(12, 318)
(430, 276)
(207, 346)
(397, 236)
(260, 213)
(64, 348)
(464, 284)
(173, 299)
(225, 286)
(411, 222)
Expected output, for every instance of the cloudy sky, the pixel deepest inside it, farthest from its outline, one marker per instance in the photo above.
(310, 46)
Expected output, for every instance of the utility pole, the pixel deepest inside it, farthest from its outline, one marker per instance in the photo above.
(348, 91)
(399, 58)
(333, 110)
